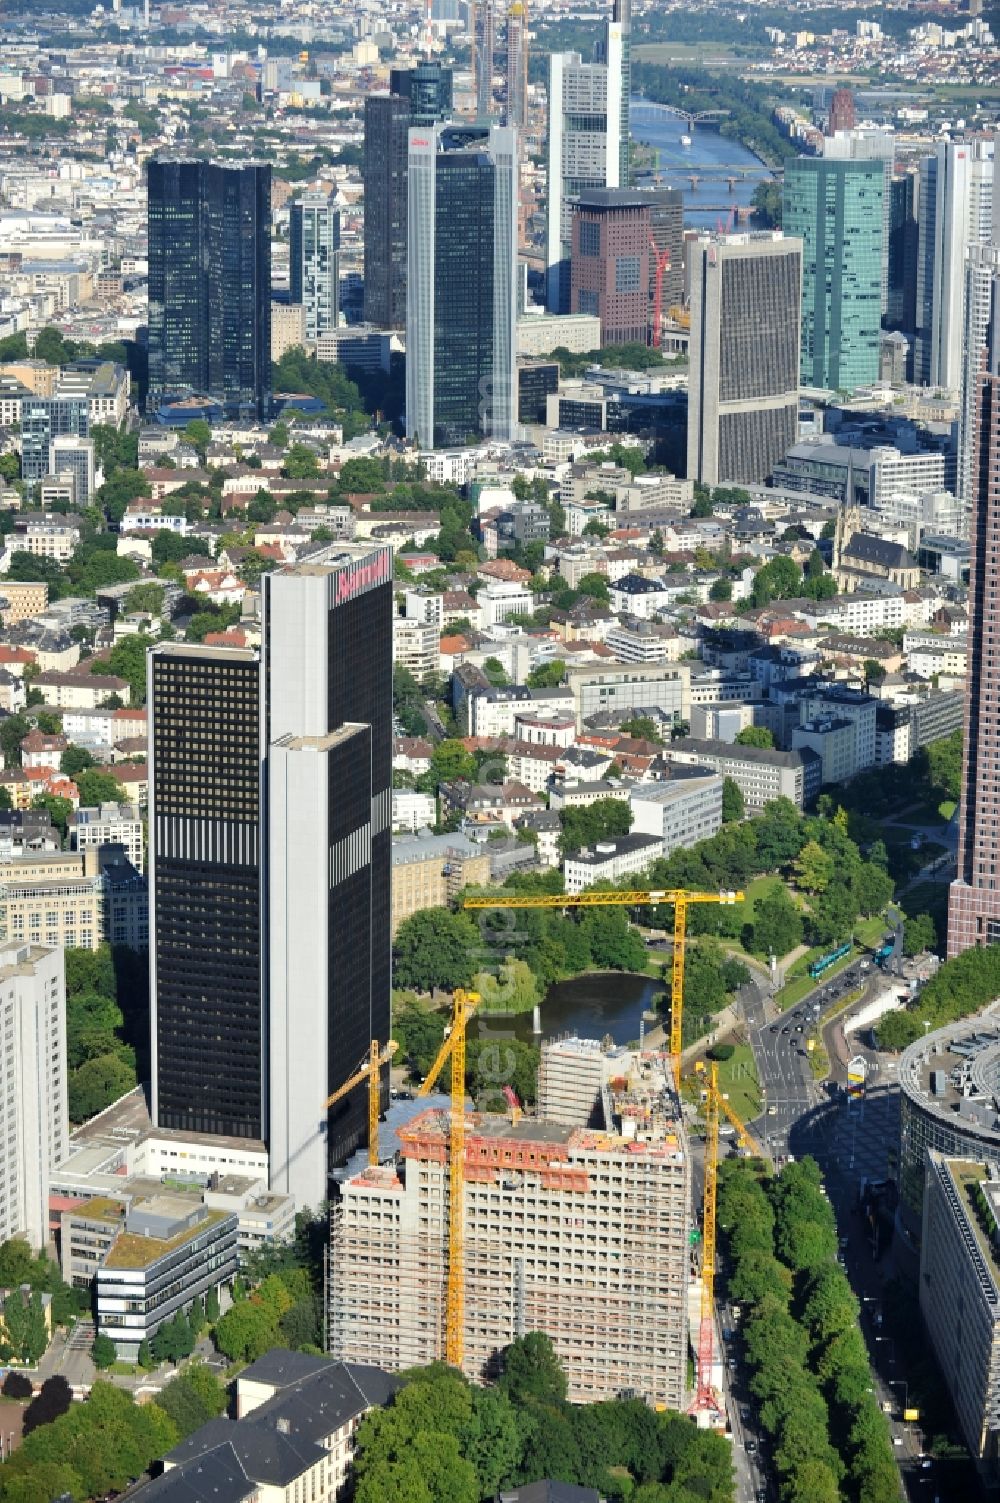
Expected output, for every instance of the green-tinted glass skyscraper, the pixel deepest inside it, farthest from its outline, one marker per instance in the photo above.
(835, 208)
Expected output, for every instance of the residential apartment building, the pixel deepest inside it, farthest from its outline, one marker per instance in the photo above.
(428, 871)
(416, 646)
(622, 689)
(34, 1122)
(20, 599)
(582, 1235)
(743, 392)
(108, 824)
(314, 262)
(834, 740)
(845, 704)
(46, 536)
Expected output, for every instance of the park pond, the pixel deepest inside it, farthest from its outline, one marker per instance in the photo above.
(593, 1005)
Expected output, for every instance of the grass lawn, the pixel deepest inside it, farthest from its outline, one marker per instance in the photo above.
(757, 889)
(738, 1080)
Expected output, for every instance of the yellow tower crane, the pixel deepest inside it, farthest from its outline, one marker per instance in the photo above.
(369, 1069)
(679, 897)
(463, 1005)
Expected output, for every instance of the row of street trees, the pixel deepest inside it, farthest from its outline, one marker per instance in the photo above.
(809, 1368)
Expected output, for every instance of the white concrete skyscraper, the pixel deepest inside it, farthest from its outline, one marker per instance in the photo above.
(955, 212)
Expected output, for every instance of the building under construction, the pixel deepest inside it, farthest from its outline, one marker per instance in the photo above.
(570, 1228)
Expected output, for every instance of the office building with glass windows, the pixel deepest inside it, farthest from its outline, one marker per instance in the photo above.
(210, 283)
(314, 262)
(743, 389)
(955, 208)
(609, 269)
(834, 206)
(461, 313)
(270, 816)
(417, 96)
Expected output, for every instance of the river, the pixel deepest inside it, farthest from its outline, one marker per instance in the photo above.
(607, 1002)
(711, 158)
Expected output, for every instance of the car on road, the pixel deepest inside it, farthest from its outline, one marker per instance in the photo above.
(785, 1029)
(745, 1415)
(773, 1028)
(751, 1449)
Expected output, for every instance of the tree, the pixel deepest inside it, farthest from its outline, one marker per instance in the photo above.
(721, 589)
(75, 759)
(780, 579)
(99, 788)
(212, 1306)
(755, 735)
(604, 819)
(513, 989)
(145, 597)
(436, 948)
(199, 435)
(595, 587)
(531, 1370)
(874, 672)
(59, 810)
(546, 676)
(97, 1083)
(872, 887)
(54, 1398)
(300, 463)
(450, 762)
(777, 924)
(642, 727)
(733, 806)
(13, 730)
(813, 868)
(496, 672)
(17, 1386)
(128, 661)
(103, 1352)
(919, 934)
(145, 1357)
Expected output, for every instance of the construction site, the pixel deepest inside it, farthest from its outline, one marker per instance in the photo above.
(574, 1222)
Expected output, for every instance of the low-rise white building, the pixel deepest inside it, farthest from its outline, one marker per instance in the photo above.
(108, 824)
(611, 861)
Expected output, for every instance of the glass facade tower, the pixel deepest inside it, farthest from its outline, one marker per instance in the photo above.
(210, 283)
(835, 208)
(314, 262)
(462, 299)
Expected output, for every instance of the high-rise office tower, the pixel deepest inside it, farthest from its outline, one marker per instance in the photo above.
(982, 275)
(843, 114)
(954, 212)
(609, 273)
(588, 140)
(835, 209)
(205, 901)
(901, 312)
(462, 284)
(33, 1108)
(327, 667)
(516, 66)
(743, 391)
(974, 899)
(418, 96)
(314, 262)
(269, 868)
(485, 56)
(870, 143)
(210, 283)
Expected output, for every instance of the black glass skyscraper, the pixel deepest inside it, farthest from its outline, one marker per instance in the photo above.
(205, 891)
(270, 818)
(418, 96)
(210, 283)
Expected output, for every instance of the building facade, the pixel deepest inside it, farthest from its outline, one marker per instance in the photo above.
(33, 1113)
(835, 208)
(461, 313)
(610, 261)
(43, 420)
(743, 390)
(210, 283)
(417, 96)
(205, 875)
(974, 900)
(579, 1234)
(955, 212)
(314, 262)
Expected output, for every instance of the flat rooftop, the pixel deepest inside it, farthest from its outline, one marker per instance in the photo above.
(132, 1250)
